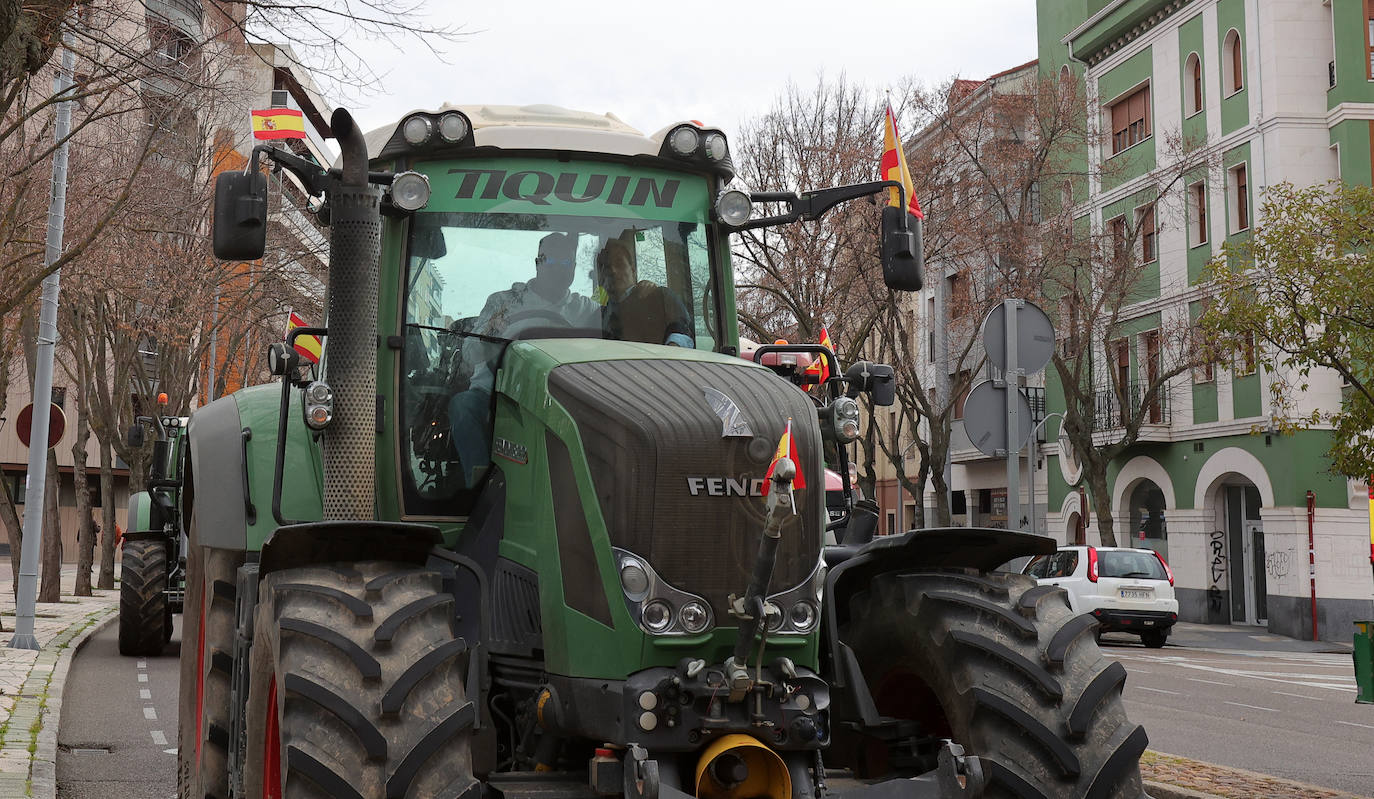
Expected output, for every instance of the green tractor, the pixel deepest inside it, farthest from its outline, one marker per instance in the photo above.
(537, 531)
(152, 570)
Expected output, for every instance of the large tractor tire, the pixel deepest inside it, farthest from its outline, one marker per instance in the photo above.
(143, 598)
(207, 649)
(356, 687)
(1004, 667)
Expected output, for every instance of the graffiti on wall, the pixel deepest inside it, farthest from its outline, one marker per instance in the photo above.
(1279, 565)
(1216, 571)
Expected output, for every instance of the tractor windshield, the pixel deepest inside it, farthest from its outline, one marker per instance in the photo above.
(476, 281)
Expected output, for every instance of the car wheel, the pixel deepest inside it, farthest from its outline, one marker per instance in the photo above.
(1154, 639)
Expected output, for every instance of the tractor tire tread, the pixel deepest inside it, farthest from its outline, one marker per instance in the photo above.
(1110, 679)
(372, 702)
(1018, 680)
(143, 598)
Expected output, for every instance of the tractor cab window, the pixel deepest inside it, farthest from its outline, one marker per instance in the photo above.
(478, 281)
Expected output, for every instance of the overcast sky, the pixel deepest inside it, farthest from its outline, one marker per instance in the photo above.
(655, 62)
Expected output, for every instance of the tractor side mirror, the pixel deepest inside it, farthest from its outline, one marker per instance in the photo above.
(240, 232)
(135, 437)
(903, 255)
(877, 379)
(427, 242)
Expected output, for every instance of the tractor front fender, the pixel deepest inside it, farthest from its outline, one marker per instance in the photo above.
(852, 569)
(217, 484)
(140, 512)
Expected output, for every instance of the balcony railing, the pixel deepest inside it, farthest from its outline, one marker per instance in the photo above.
(1115, 405)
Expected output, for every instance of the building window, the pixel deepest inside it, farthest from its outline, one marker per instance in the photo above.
(1130, 118)
(961, 384)
(1147, 235)
(1204, 373)
(1369, 36)
(1245, 357)
(1240, 199)
(1119, 353)
(958, 296)
(1117, 229)
(1197, 212)
(930, 329)
(1233, 63)
(1193, 76)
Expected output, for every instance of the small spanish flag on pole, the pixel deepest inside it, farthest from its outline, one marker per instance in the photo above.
(893, 167)
(787, 448)
(309, 347)
(821, 367)
(278, 123)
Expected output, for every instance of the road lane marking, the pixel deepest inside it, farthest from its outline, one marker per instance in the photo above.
(144, 693)
(1253, 707)
(1353, 724)
(159, 738)
(1156, 690)
(150, 713)
(142, 678)
(1210, 682)
(1299, 696)
(143, 664)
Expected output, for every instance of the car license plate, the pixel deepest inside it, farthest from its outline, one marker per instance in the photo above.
(1127, 593)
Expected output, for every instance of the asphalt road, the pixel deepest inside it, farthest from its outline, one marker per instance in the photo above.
(1287, 714)
(118, 733)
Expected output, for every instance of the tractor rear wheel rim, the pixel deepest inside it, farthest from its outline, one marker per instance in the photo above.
(271, 752)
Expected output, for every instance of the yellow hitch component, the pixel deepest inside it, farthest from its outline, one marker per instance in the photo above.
(739, 767)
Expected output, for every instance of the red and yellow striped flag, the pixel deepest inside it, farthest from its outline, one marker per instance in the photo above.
(893, 167)
(821, 367)
(787, 448)
(278, 123)
(309, 347)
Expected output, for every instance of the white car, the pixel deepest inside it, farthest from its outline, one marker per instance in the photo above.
(1126, 590)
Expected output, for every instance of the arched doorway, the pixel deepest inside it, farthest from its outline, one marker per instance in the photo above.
(1148, 528)
(1234, 485)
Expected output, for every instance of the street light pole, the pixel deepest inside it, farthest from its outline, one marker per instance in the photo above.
(26, 582)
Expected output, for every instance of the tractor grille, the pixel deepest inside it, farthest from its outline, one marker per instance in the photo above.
(651, 436)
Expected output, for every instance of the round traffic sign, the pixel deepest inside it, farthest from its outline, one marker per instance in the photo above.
(1034, 337)
(985, 419)
(57, 423)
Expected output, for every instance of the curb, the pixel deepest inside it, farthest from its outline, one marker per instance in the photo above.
(1162, 790)
(43, 764)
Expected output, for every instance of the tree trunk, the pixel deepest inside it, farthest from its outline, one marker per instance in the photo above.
(50, 589)
(15, 531)
(1101, 500)
(109, 526)
(85, 537)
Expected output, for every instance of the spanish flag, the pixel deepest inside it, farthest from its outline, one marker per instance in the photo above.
(893, 167)
(309, 347)
(821, 367)
(278, 123)
(787, 448)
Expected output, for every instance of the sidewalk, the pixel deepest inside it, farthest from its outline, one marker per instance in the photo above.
(31, 683)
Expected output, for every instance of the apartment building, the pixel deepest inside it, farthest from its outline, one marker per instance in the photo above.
(1271, 91)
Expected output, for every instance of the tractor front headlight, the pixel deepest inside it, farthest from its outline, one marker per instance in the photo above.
(634, 579)
(734, 207)
(716, 149)
(417, 129)
(845, 417)
(319, 405)
(803, 616)
(410, 191)
(453, 127)
(684, 140)
(694, 617)
(657, 616)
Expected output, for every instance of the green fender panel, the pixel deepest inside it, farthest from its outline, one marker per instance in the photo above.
(233, 444)
(140, 512)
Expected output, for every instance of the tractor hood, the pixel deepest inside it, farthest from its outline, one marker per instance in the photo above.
(676, 443)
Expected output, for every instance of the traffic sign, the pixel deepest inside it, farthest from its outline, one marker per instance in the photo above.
(985, 419)
(57, 423)
(1034, 337)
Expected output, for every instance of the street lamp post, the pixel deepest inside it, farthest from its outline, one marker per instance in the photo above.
(900, 504)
